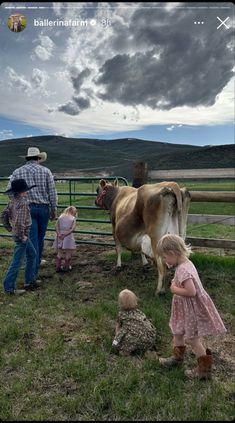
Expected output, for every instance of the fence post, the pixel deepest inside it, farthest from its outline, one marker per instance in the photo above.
(70, 192)
(74, 182)
(140, 174)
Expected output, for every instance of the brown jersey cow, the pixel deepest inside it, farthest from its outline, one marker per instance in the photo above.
(140, 217)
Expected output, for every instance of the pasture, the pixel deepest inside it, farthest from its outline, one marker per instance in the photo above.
(56, 361)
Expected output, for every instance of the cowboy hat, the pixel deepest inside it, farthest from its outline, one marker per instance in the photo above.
(35, 152)
(18, 186)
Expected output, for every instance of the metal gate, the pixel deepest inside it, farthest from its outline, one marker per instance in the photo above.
(73, 196)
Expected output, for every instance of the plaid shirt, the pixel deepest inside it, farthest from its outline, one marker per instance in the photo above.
(36, 174)
(19, 217)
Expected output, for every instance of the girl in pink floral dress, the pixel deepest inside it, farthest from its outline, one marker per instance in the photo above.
(193, 313)
(64, 241)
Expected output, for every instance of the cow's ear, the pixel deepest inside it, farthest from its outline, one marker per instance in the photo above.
(116, 182)
(102, 183)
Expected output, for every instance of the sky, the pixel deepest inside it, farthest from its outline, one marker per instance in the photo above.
(156, 71)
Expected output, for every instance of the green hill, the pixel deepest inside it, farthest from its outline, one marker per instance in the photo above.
(114, 156)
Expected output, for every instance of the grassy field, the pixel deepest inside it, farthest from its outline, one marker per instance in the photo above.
(56, 361)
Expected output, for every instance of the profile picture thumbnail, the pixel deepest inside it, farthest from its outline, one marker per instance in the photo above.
(17, 22)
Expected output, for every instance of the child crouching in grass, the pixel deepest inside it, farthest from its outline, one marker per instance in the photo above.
(134, 332)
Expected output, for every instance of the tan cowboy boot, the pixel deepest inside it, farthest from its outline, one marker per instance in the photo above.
(177, 358)
(203, 370)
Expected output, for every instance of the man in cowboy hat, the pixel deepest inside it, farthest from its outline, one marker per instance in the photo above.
(42, 200)
(16, 218)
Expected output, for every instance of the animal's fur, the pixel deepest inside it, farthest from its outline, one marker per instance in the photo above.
(140, 217)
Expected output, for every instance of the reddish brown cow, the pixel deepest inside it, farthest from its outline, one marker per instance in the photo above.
(140, 217)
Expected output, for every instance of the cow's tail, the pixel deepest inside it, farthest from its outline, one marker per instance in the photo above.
(173, 186)
(176, 189)
(183, 216)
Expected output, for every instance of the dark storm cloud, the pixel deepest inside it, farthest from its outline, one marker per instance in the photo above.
(82, 103)
(73, 107)
(78, 78)
(170, 62)
(70, 108)
(79, 102)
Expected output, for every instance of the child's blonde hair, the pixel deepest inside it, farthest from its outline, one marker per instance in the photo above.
(173, 243)
(127, 300)
(71, 210)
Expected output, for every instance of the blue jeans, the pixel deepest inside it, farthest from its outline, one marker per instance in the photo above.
(40, 217)
(21, 249)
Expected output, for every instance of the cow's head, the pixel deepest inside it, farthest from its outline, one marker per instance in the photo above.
(103, 199)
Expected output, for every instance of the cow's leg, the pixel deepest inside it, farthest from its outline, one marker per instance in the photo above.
(119, 251)
(160, 267)
(144, 260)
(161, 276)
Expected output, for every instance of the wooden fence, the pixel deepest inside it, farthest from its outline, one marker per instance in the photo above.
(212, 196)
(196, 196)
(173, 174)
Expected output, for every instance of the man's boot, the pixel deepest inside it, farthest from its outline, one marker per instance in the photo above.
(176, 359)
(203, 370)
